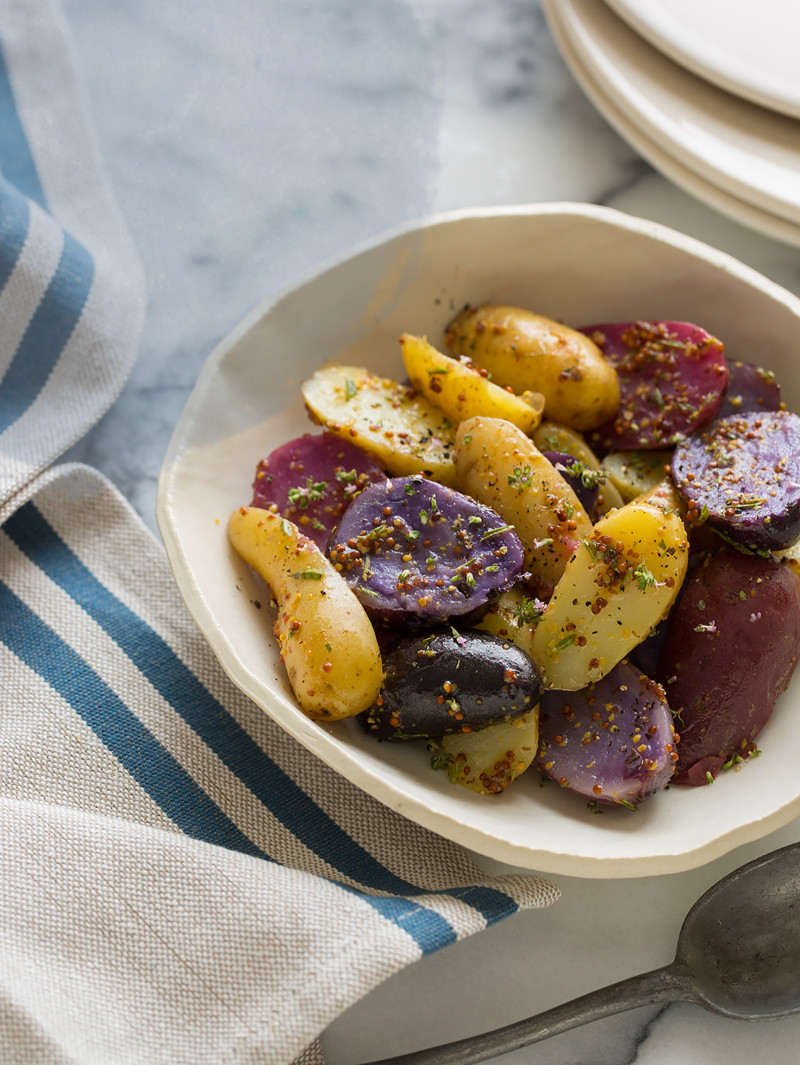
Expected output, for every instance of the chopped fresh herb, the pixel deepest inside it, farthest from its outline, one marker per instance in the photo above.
(528, 611)
(496, 532)
(566, 641)
(350, 388)
(310, 493)
(644, 578)
(346, 476)
(522, 477)
(307, 575)
(589, 478)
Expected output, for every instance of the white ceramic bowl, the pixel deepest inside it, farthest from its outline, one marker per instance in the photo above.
(573, 262)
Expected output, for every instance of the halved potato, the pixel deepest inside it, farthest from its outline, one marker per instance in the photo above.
(498, 465)
(458, 389)
(619, 584)
(403, 432)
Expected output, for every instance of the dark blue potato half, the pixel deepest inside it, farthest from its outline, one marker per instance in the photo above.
(612, 742)
(414, 551)
(742, 474)
(451, 682)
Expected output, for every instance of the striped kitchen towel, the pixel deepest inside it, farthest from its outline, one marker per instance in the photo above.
(180, 881)
(71, 287)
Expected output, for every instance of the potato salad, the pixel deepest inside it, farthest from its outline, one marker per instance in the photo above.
(564, 549)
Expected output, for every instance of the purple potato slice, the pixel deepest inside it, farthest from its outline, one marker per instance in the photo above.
(672, 376)
(612, 742)
(451, 682)
(311, 480)
(415, 551)
(750, 388)
(584, 481)
(742, 473)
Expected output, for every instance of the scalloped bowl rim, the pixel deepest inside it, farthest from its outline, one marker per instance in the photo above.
(413, 278)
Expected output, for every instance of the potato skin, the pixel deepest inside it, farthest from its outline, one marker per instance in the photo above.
(327, 643)
(451, 683)
(731, 648)
(528, 351)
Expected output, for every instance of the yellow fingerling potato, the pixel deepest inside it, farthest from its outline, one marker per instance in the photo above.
(620, 583)
(528, 351)
(512, 616)
(635, 472)
(550, 436)
(488, 760)
(497, 464)
(403, 432)
(327, 643)
(459, 390)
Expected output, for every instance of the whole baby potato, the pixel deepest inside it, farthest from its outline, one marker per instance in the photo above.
(528, 352)
(730, 650)
(328, 645)
(497, 464)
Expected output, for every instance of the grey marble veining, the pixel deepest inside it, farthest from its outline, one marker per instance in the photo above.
(249, 142)
(245, 144)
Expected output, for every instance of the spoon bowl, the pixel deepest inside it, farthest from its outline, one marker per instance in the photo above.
(738, 955)
(740, 942)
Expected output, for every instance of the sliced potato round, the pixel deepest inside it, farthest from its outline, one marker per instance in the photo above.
(403, 432)
(458, 389)
(513, 616)
(634, 472)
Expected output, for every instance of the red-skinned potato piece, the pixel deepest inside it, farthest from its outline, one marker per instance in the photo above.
(612, 742)
(730, 650)
(672, 376)
(311, 480)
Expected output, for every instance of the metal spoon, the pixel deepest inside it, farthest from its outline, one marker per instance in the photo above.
(738, 954)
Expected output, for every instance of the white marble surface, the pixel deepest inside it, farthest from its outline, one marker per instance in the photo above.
(248, 142)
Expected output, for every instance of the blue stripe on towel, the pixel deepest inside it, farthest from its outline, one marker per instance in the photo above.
(183, 801)
(153, 767)
(271, 785)
(48, 332)
(14, 220)
(16, 160)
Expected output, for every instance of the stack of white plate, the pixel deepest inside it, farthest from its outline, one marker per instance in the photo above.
(708, 91)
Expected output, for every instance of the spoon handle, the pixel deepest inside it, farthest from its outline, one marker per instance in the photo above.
(658, 985)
